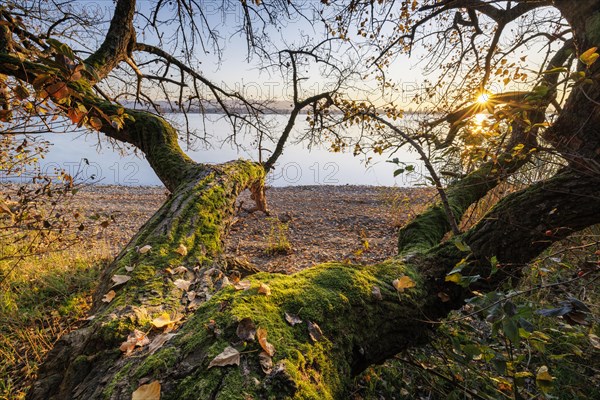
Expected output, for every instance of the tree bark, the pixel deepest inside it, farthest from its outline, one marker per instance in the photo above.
(359, 326)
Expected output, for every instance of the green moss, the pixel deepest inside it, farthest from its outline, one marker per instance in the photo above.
(157, 363)
(330, 295)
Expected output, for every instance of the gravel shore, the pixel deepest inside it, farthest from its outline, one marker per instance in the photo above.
(321, 223)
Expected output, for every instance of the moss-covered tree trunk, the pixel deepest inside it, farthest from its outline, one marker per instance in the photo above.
(171, 275)
(352, 315)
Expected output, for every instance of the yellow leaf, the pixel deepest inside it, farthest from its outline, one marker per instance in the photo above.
(163, 320)
(543, 374)
(182, 250)
(589, 56)
(151, 391)
(404, 282)
(95, 123)
(108, 297)
(456, 278)
(264, 289)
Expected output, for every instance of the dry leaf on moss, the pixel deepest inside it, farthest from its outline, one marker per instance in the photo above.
(261, 334)
(151, 391)
(159, 342)
(242, 285)
(246, 330)
(266, 362)
(135, 338)
(120, 279)
(108, 297)
(264, 289)
(404, 282)
(182, 284)
(182, 250)
(164, 320)
(144, 249)
(229, 356)
(315, 331)
(292, 319)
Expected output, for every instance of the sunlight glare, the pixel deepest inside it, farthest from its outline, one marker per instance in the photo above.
(480, 118)
(483, 98)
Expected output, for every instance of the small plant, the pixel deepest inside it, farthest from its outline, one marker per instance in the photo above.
(277, 240)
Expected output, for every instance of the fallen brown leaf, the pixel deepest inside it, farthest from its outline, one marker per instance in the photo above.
(182, 250)
(261, 334)
(151, 391)
(229, 356)
(314, 331)
(264, 289)
(108, 297)
(292, 319)
(159, 341)
(242, 285)
(246, 330)
(120, 279)
(135, 338)
(182, 284)
(144, 249)
(266, 362)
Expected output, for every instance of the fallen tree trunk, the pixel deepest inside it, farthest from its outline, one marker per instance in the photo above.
(363, 318)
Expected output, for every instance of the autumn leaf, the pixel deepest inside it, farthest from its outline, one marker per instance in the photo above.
(266, 362)
(163, 320)
(404, 282)
(456, 278)
(264, 289)
(292, 319)
(120, 279)
(58, 91)
(246, 330)
(144, 249)
(179, 270)
(95, 123)
(151, 391)
(242, 285)
(543, 374)
(182, 284)
(135, 338)
(229, 356)
(261, 334)
(129, 269)
(182, 250)
(315, 332)
(108, 297)
(159, 342)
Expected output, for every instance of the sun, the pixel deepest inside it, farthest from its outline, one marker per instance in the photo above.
(483, 98)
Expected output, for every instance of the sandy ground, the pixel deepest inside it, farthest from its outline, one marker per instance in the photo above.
(321, 223)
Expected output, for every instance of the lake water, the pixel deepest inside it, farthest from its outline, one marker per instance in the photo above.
(82, 157)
